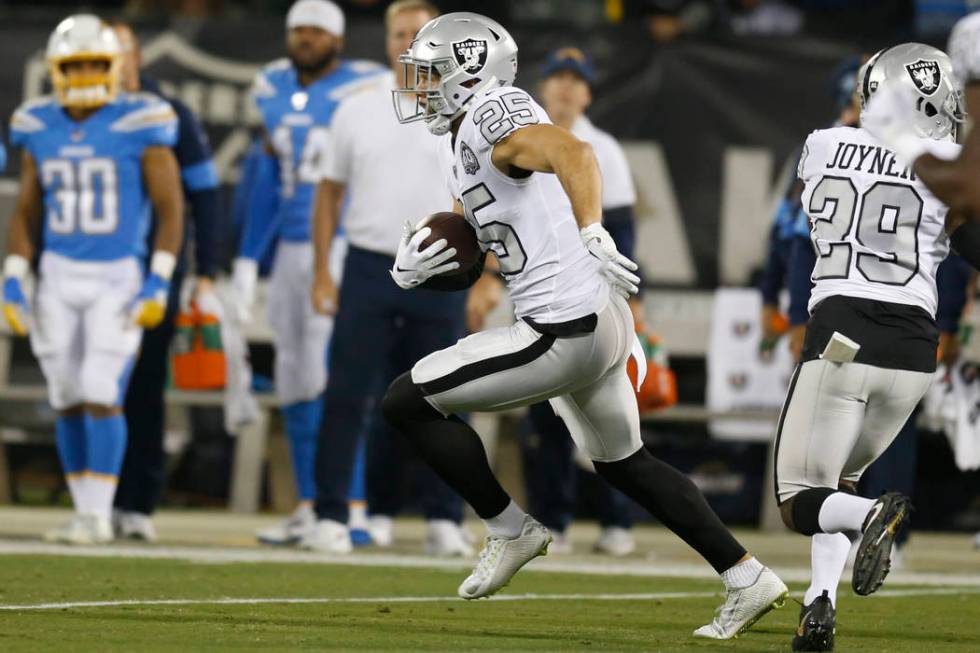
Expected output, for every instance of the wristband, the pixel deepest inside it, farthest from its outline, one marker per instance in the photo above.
(15, 266)
(162, 264)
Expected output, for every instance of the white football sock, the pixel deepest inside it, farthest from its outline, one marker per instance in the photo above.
(742, 575)
(77, 485)
(101, 492)
(843, 512)
(507, 524)
(828, 554)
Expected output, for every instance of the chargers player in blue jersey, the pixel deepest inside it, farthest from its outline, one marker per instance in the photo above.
(296, 97)
(93, 162)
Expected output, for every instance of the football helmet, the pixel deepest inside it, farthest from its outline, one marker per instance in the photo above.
(84, 37)
(453, 59)
(923, 76)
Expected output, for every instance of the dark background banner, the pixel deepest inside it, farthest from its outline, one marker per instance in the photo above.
(697, 99)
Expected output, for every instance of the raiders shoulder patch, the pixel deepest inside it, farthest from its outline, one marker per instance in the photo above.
(470, 162)
(471, 55)
(925, 75)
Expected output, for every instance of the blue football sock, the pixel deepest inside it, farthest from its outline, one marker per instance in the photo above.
(358, 483)
(105, 444)
(302, 428)
(69, 433)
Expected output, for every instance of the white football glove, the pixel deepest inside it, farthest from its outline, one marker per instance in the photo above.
(889, 117)
(414, 267)
(244, 275)
(618, 270)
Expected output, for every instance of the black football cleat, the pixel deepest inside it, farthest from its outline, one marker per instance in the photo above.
(873, 559)
(818, 623)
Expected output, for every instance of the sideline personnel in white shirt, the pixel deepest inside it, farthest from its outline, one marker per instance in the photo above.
(550, 472)
(375, 165)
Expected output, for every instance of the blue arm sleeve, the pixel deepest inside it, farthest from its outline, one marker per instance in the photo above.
(205, 206)
(799, 268)
(774, 272)
(3, 158)
(200, 181)
(620, 225)
(952, 278)
(260, 196)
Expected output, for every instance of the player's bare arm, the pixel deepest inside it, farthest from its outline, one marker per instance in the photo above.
(24, 222)
(162, 176)
(547, 148)
(24, 227)
(954, 182)
(326, 215)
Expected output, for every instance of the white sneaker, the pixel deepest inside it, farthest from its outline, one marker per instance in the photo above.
(561, 544)
(328, 536)
(134, 526)
(290, 530)
(381, 528)
(744, 606)
(82, 529)
(615, 541)
(446, 538)
(501, 558)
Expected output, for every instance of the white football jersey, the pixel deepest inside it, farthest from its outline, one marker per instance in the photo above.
(964, 48)
(879, 233)
(527, 223)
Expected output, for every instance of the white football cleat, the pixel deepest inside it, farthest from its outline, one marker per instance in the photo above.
(501, 558)
(134, 526)
(82, 529)
(290, 530)
(447, 539)
(328, 536)
(746, 605)
(615, 541)
(381, 528)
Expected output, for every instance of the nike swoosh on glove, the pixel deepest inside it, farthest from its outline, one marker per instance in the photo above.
(414, 267)
(150, 304)
(618, 270)
(15, 308)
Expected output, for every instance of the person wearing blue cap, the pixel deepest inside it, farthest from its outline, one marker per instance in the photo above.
(551, 472)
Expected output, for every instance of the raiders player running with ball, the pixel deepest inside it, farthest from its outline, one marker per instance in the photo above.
(533, 193)
(870, 349)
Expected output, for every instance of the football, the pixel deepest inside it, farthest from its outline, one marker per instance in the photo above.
(458, 233)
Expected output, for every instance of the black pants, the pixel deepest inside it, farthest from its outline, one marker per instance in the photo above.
(379, 332)
(551, 475)
(142, 477)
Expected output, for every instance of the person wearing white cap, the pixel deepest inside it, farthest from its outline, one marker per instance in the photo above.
(296, 97)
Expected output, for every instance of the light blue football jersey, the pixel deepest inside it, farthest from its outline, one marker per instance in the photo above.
(96, 207)
(297, 119)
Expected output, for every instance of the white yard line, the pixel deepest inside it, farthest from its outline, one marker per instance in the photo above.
(650, 596)
(641, 568)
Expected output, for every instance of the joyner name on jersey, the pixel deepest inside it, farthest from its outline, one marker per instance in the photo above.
(869, 158)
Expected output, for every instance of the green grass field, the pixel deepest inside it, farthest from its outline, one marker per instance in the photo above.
(930, 623)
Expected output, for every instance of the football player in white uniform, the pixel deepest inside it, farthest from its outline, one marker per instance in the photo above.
(533, 193)
(891, 116)
(870, 348)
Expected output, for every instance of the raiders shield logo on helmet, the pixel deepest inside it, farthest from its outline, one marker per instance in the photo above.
(470, 162)
(925, 75)
(471, 55)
